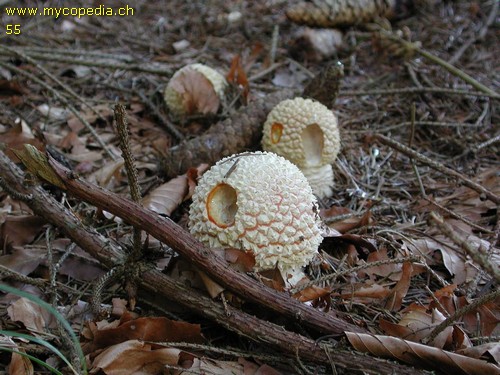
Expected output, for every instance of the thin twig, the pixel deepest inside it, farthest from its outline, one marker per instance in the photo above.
(133, 67)
(458, 217)
(415, 90)
(438, 166)
(411, 46)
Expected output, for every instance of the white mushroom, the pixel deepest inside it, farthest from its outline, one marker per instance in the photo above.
(305, 132)
(195, 88)
(262, 203)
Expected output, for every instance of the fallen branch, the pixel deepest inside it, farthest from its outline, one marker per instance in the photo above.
(110, 254)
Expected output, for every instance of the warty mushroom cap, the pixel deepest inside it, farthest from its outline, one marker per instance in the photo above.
(180, 98)
(258, 202)
(305, 132)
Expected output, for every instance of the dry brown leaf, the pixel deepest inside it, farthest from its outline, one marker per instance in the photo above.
(311, 293)
(391, 271)
(198, 92)
(23, 259)
(106, 173)
(489, 351)
(212, 287)
(211, 366)
(345, 225)
(167, 197)
(395, 299)
(20, 365)
(238, 77)
(32, 315)
(134, 357)
(420, 355)
(16, 137)
(105, 111)
(417, 324)
(365, 293)
(147, 329)
(243, 261)
(485, 317)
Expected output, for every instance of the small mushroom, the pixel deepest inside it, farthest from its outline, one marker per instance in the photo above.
(195, 88)
(305, 132)
(262, 203)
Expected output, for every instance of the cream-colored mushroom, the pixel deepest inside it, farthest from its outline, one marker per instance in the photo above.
(305, 132)
(195, 88)
(258, 202)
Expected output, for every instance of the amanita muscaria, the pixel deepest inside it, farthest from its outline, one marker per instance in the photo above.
(305, 132)
(262, 203)
(195, 88)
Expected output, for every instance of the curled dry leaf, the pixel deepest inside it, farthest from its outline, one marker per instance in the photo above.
(395, 299)
(168, 196)
(420, 355)
(135, 357)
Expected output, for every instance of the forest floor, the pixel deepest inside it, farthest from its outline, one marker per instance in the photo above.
(414, 208)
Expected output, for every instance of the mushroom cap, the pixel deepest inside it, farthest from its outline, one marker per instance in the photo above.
(303, 131)
(184, 97)
(258, 202)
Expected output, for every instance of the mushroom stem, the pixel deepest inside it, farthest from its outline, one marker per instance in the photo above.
(320, 178)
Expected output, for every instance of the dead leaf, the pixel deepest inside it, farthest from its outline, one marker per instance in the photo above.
(211, 366)
(485, 316)
(489, 351)
(33, 316)
(16, 137)
(213, 288)
(417, 324)
(395, 299)
(23, 259)
(391, 271)
(365, 293)
(311, 293)
(243, 261)
(420, 355)
(134, 357)
(344, 225)
(238, 77)
(167, 197)
(147, 329)
(19, 365)
(20, 230)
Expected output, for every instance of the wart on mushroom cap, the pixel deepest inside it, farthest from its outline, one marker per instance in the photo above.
(258, 202)
(306, 133)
